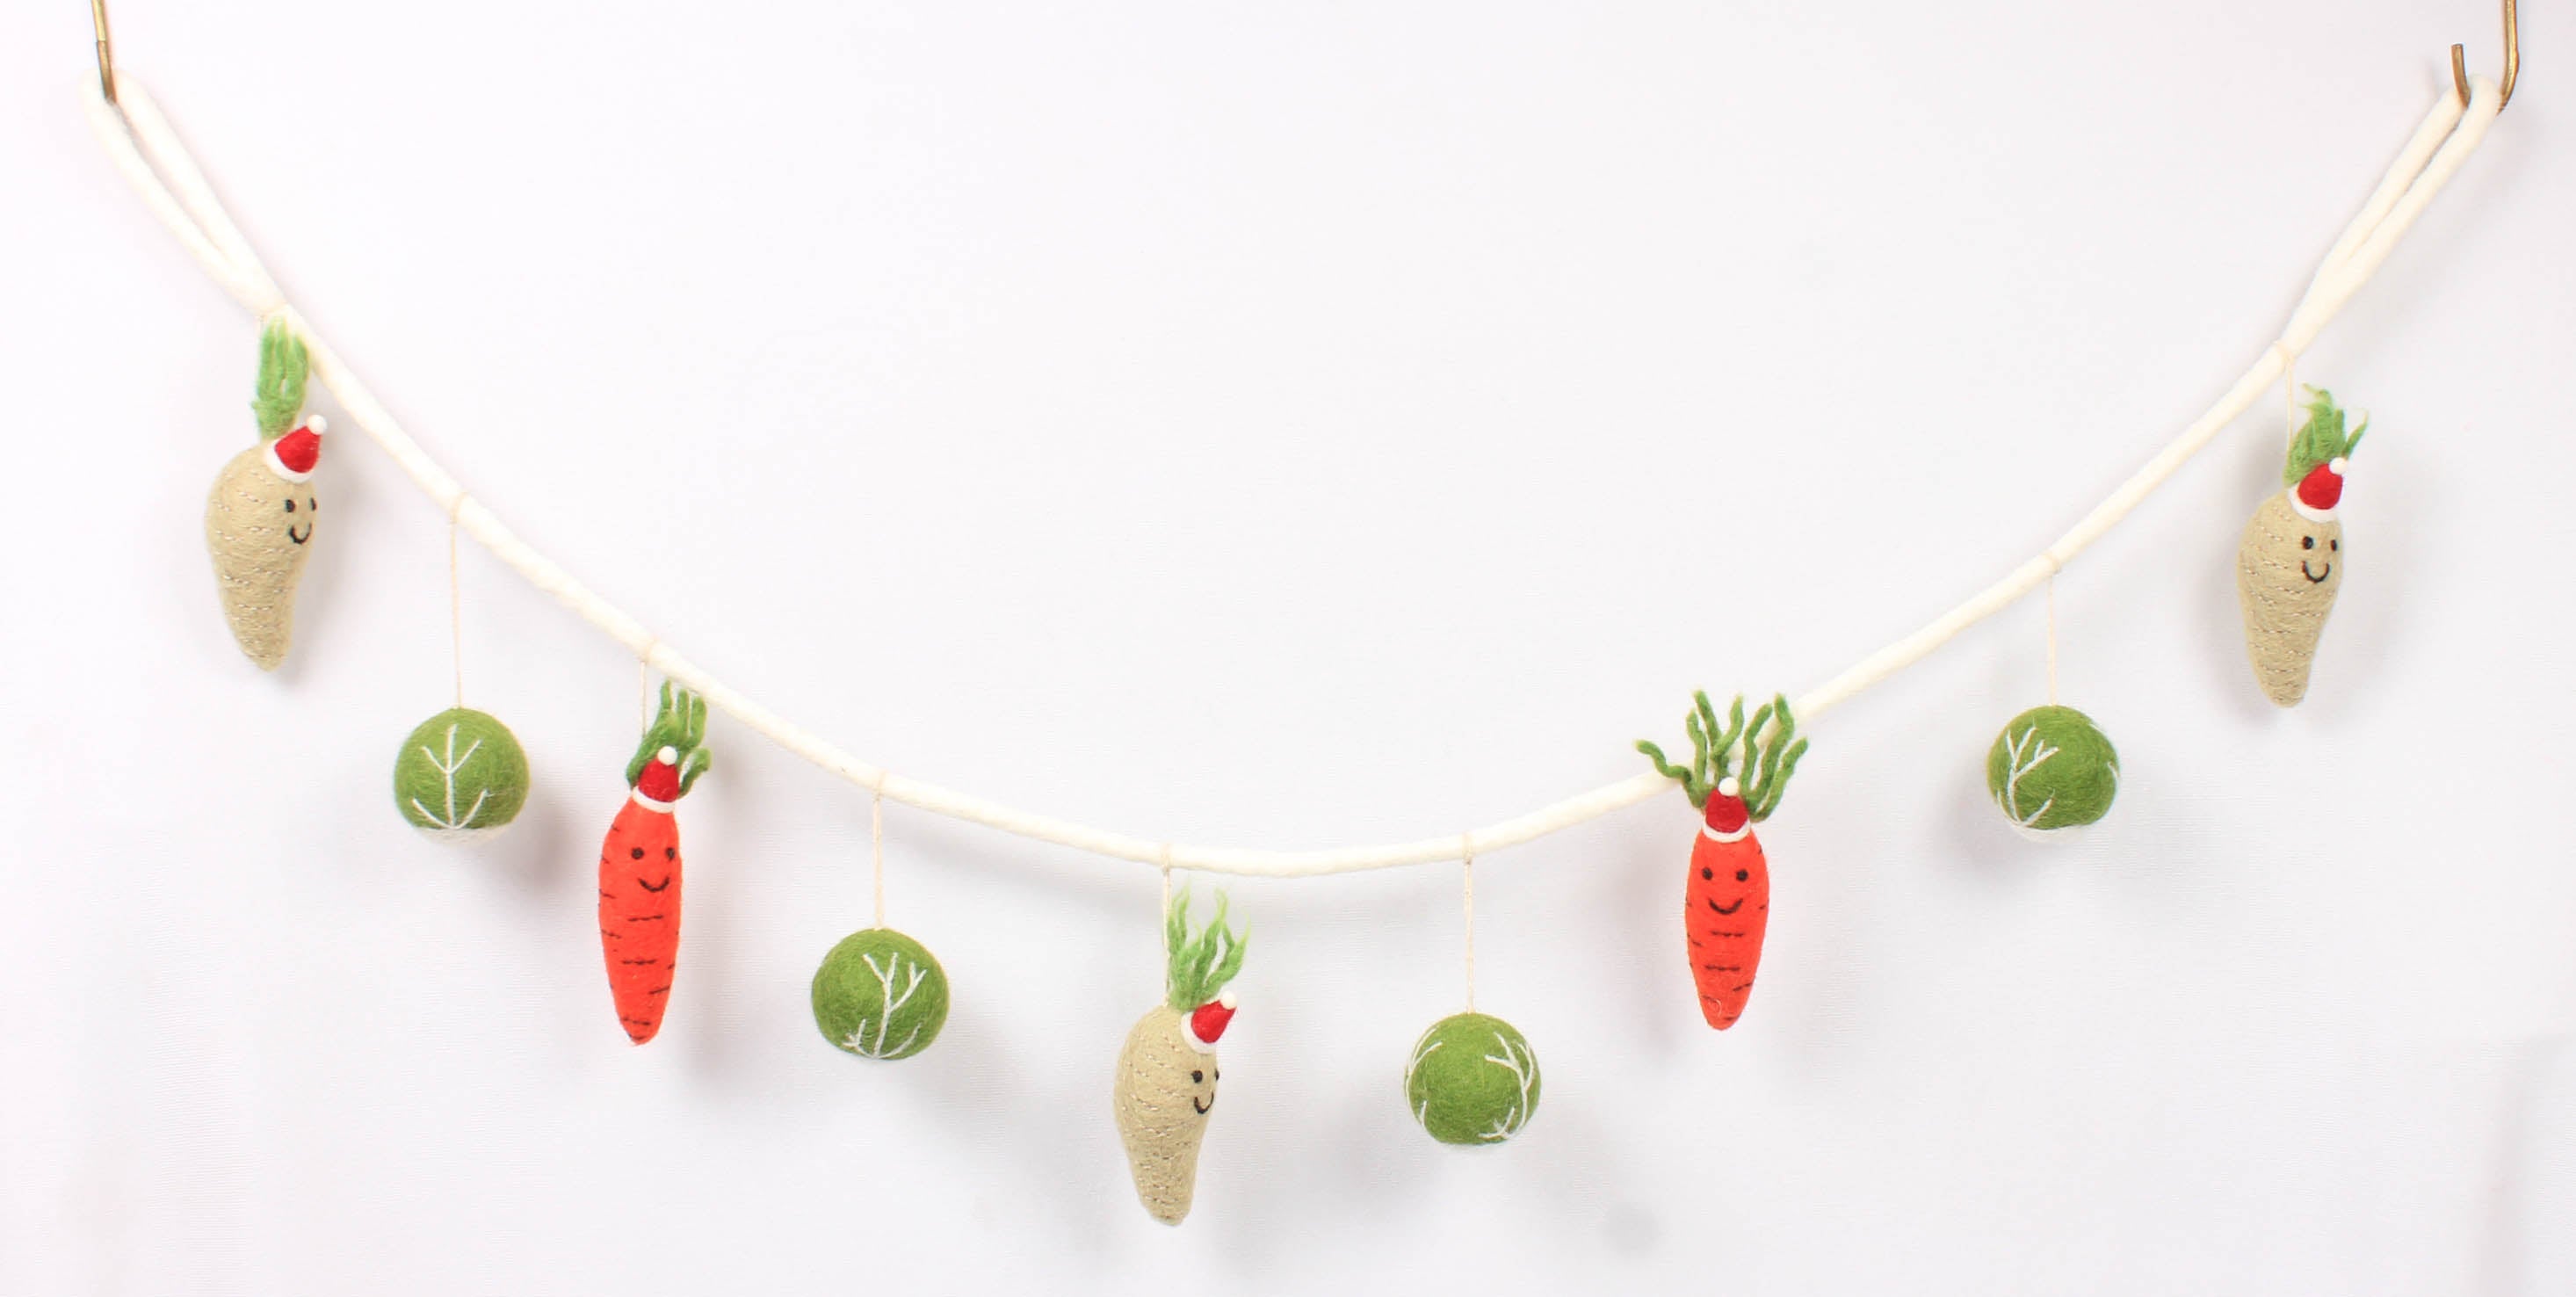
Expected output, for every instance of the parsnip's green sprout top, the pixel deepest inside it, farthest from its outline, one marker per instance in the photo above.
(1201, 965)
(283, 367)
(2321, 439)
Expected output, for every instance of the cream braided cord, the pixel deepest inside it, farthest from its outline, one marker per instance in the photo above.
(144, 147)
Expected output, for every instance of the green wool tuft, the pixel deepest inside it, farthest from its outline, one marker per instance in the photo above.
(1200, 965)
(1472, 1080)
(283, 366)
(460, 776)
(2321, 439)
(1768, 746)
(2052, 768)
(879, 994)
(681, 725)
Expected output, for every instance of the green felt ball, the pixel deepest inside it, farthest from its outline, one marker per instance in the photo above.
(879, 994)
(1472, 1080)
(460, 776)
(2052, 769)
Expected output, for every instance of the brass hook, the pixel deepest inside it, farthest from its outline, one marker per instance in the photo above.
(107, 59)
(2512, 61)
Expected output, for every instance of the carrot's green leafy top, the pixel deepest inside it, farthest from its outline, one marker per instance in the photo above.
(1201, 963)
(283, 366)
(681, 726)
(1768, 745)
(2321, 438)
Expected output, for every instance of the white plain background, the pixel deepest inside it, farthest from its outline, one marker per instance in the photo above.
(1293, 425)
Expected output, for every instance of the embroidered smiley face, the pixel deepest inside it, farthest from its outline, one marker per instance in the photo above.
(2320, 547)
(299, 520)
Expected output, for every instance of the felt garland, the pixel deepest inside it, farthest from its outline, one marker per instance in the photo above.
(142, 144)
(2052, 771)
(1167, 1070)
(1736, 776)
(460, 776)
(2290, 562)
(262, 513)
(639, 864)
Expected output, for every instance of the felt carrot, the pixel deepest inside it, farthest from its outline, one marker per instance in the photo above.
(260, 515)
(2290, 562)
(1167, 1073)
(1726, 906)
(639, 864)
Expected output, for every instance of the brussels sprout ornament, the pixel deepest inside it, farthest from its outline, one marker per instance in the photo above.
(2052, 771)
(461, 776)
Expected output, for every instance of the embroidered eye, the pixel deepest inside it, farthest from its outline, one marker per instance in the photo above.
(1741, 875)
(1706, 872)
(2335, 545)
(311, 506)
(638, 853)
(2307, 542)
(1196, 1077)
(290, 506)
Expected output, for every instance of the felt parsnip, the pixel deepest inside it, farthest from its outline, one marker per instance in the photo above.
(1735, 777)
(1167, 1072)
(2290, 562)
(639, 864)
(260, 516)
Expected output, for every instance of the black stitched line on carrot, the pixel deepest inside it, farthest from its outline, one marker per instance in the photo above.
(666, 882)
(645, 918)
(639, 961)
(1727, 909)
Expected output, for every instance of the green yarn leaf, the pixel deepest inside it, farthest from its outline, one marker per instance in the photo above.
(1202, 963)
(2321, 439)
(681, 725)
(283, 368)
(1770, 755)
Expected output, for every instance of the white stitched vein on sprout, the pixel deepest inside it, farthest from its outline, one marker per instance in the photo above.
(2015, 749)
(1523, 1065)
(447, 776)
(857, 1042)
(1415, 1065)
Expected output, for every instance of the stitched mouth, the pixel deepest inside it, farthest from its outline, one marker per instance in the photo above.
(1202, 1107)
(2314, 578)
(1727, 909)
(308, 534)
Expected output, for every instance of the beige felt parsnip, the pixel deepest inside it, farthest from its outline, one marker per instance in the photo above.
(2289, 563)
(262, 514)
(1167, 1072)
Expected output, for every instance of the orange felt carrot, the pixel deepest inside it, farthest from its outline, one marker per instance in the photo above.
(639, 864)
(1726, 905)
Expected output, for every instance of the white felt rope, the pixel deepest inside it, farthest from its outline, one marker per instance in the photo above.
(150, 155)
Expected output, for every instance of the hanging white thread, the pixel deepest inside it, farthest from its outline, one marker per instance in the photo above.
(1467, 861)
(876, 850)
(2052, 639)
(2289, 385)
(152, 158)
(455, 609)
(1167, 913)
(644, 681)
